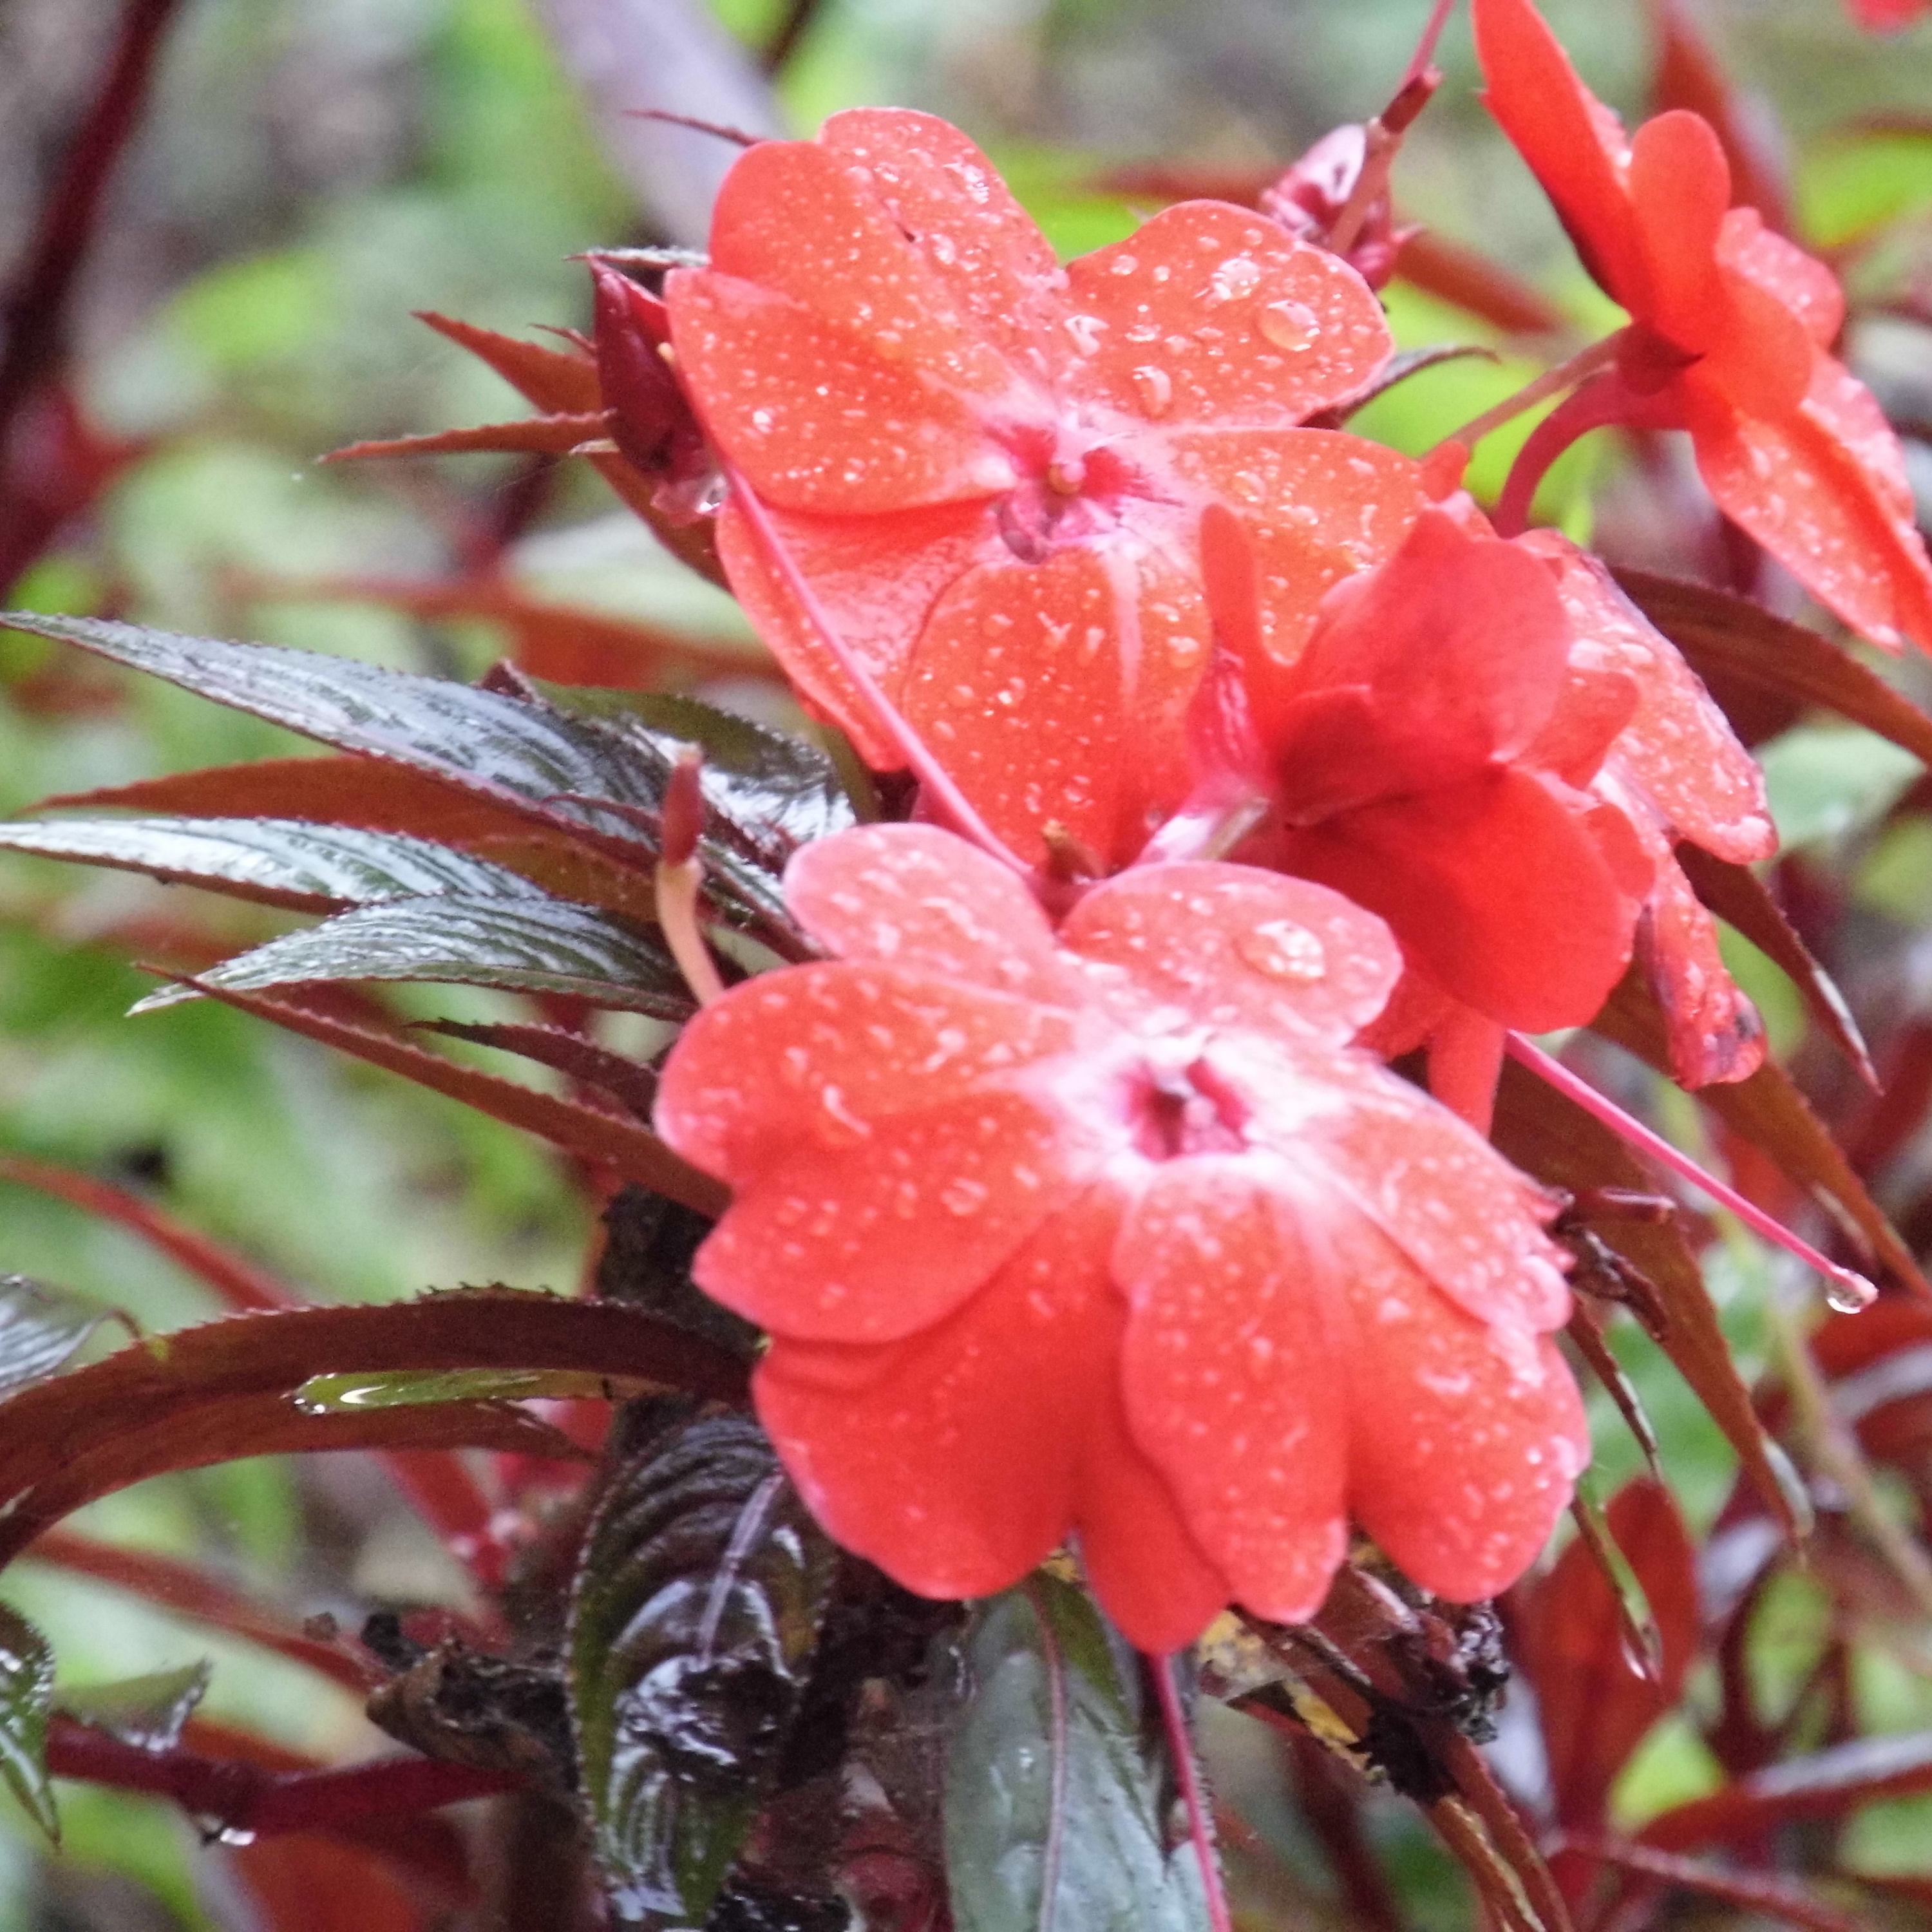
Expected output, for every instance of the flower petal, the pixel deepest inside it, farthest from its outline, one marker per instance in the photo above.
(1824, 490)
(1058, 692)
(802, 220)
(1228, 1372)
(1464, 1441)
(1680, 186)
(914, 894)
(1317, 505)
(875, 577)
(953, 1459)
(815, 1056)
(1498, 889)
(872, 1242)
(1678, 749)
(1714, 1031)
(1801, 282)
(1573, 144)
(1238, 947)
(815, 417)
(1207, 314)
(1436, 1190)
(961, 217)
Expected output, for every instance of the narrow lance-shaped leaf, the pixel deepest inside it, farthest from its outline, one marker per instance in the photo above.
(40, 1328)
(331, 1394)
(1058, 1788)
(26, 1703)
(539, 945)
(694, 1621)
(278, 862)
(501, 746)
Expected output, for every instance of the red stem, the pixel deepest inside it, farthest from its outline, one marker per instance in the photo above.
(1174, 1719)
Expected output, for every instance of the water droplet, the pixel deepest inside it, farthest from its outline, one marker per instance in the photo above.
(1234, 278)
(1849, 1293)
(1085, 331)
(761, 421)
(1124, 264)
(944, 249)
(1291, 325)
(889, 344)
(962, 1197)
(1283, 950)
(1154, 387)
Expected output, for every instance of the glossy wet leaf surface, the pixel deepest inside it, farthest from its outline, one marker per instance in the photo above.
(150, 1710)
(1059, 1794)
(693, 1622)
(26, 1700)
(40, 1328)
(524, 945)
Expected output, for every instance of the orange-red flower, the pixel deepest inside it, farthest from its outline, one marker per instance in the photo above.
(1485, 744)
(1110, 1232)
(990, 469)
(1730, 328)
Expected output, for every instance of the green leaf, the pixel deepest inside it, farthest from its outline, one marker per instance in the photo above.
(540, 945)
(329, 1395)
(480, 739)
(693, 1622)
(40, 1328)
(26, 1701)
(280, 862)
(1056, 1784)
(150, 1712)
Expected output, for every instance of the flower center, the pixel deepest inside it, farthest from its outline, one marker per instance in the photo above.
(1185, 1109)
(1071, 488)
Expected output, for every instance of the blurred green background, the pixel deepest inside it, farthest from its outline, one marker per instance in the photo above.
(306, 174)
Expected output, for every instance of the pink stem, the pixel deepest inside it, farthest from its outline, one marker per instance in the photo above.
(1425, 48)
(1604, 400)
(932, 775)
(1175, 1721)
(1856, 1292)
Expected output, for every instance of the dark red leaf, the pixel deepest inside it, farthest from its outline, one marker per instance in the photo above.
(569, 1053)
(1595, 1706)
(557, 380)
(1471, 280)
(604, 1139)
(1770, 1897)
(219, 1391)
(534, 435)
(1727, 638)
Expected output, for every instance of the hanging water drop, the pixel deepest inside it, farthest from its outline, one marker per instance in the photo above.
(1848, 1292)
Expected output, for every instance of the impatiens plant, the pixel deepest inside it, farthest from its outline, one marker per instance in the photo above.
(1117, 1147)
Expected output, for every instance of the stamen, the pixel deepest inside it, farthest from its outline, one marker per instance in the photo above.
(1847, 1291)
(937, 782)
(1174, 1721)
(680, 872)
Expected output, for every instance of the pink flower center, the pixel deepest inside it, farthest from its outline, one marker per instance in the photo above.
(1178, 1110)
(1071, 487)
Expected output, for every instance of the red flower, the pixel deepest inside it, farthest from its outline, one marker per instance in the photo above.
(1112, 1233)
(1484, 743)
(990, 469)
(1729, 328)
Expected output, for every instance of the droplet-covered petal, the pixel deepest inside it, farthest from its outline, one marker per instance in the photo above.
(1465, 1439)
(1235, 947)
(1229, 1369)
(914, 894)
(1232, 319)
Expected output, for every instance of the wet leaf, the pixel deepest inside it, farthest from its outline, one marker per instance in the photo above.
(503, 747)
(26, 1703)
(1729, 639)
(628, 1082)
(40, 1328)
(150, 1711)
(609, 1140)
(213, 1392)
(535, 945)
(532, 436)
(278, 862)
(332, 1395)
(694, 1621)
(1554, 1139)
(1594, 1700)
(1057, 1786)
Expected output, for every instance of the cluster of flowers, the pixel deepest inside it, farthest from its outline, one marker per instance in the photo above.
(1073, 1186)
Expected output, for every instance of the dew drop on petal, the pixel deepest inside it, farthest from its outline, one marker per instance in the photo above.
(1291, 325)
(1085, 331)
(1283, 950)
(962, 1197)
(1124, 264)
(1154, 387)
